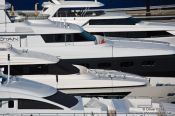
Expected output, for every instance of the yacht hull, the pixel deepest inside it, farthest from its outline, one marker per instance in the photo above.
(154, 66)
(157, 66)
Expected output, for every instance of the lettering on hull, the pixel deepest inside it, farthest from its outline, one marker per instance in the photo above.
(9, 39)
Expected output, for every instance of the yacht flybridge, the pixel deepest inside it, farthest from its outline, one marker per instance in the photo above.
(104, 23)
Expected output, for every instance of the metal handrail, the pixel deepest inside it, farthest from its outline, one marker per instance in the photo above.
(136, 40)
(84, 114)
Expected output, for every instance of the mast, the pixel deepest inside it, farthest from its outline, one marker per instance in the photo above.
(148, 13)
(8, 79)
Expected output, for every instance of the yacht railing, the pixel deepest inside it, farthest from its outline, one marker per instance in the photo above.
(112, 74)
(31, 16)
(113, 40)
(110, 113)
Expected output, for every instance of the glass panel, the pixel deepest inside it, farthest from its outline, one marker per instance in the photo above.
(11, 104)
(0, 104)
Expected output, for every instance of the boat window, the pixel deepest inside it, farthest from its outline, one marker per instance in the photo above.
(32, 104)
(0, 104)
(44, 9)
(126, 64)
(171, 94)
(159, 84)
(67, 38)
(54, 38)
(148, 63)
(63, 99)
(104, 65)
(10, 104)
(2, 79)
(138, 34)
(123, 21)
(77, 12)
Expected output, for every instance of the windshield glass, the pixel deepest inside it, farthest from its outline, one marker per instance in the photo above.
(77, 12)
(2, 79)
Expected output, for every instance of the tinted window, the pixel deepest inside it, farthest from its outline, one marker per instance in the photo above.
(148, 63)
(104, 65)
(63, 99)
(126, 64)
(66, 38)
(76, 12)
(0, 104)
(138, 34)
(126, 21)
(171, 94)
(32, 104)
(10, 104)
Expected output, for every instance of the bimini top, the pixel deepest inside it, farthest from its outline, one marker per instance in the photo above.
(21, 57)
(74, 4)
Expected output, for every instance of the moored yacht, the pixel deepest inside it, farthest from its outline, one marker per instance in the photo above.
(119, 54)
(104, 23)
(78, 80)
(73, 45)
(24, 97)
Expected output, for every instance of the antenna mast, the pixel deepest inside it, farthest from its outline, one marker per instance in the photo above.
(5, 22)
(8, 79)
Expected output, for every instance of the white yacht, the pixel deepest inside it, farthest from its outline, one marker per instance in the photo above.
(104, 23)
(73, 45)
(119, 54)
(78, 80)
(24, 97)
